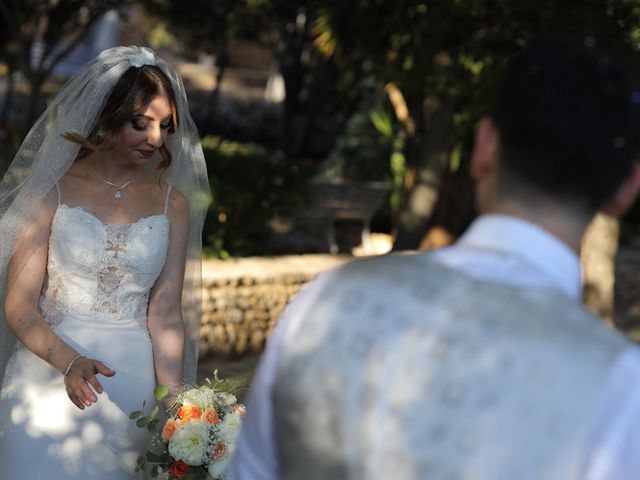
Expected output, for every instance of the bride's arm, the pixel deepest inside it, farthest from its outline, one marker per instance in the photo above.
(26, 275)
(165, 324)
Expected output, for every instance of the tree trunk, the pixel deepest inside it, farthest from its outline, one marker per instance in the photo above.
(315, 102)
(599, 247)
(293, 72)
(221, 64)
(8, 96)
(36, 82)
(433, 160)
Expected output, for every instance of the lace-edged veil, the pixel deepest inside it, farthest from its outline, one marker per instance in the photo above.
(45, 156)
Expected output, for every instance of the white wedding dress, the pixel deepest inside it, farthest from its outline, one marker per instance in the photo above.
(95, 297)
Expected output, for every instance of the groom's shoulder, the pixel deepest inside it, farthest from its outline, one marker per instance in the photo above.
(388, 265)
(399, 271)
(421, 275)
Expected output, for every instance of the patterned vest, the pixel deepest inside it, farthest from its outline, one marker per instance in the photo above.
(405, 369)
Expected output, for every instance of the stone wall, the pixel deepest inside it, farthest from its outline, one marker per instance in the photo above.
(243, 298)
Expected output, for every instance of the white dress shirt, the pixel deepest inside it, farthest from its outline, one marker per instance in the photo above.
(497, 248)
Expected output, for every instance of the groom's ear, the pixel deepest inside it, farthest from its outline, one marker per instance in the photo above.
(623, 199)
(485, 149)
(484, 164)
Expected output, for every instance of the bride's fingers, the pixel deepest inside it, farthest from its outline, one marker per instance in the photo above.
(79, 388)
(77, 402)
(84, 393)
(98, 367)
(103, 369)
(76, 397)
(81, 381)
(93, 381)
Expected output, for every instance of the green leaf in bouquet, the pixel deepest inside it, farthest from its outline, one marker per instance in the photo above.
(231, 385)
(136, 414)
(143, 422)
(160, 392)
(155, 471)
(154, 412)
(153, 424)
(140, 463)
(152, 457)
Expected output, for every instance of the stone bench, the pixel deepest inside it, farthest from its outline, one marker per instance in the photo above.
(335, 200)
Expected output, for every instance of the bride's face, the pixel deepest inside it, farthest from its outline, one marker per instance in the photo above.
(147, 131)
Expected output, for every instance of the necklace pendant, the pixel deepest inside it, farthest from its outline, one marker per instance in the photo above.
(118, 195)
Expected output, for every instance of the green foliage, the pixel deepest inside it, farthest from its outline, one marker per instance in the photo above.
(363, 151)
(398, 173)
(457, 48)
(61, 26)
(447, 52)
(160, 37)
(229, 384)
(160, 392)
(451, 53)
(152, 423)
(250, 186)
(205, 25)
(383, 122)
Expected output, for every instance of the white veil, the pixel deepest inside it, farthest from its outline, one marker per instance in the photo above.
(45, 156)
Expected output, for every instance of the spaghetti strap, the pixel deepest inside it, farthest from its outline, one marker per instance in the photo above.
(58, 189)
(166, 200)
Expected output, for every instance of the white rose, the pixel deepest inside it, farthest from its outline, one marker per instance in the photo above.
(226, 399)
(228, 429)
(202, 397)
(189, 443)
(218, 468)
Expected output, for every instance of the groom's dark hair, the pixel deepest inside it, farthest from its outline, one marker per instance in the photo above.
(568, 119)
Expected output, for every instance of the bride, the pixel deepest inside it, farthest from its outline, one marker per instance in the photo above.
(102, 211)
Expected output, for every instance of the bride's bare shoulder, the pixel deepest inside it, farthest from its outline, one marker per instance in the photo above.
(76, 171)
(74, 179)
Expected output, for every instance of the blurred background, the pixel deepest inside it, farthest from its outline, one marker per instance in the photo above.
(331, 128)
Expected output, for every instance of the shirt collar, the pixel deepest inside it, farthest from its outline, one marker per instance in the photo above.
(529, 242)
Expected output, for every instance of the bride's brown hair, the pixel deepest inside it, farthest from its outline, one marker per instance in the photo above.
(135, 90)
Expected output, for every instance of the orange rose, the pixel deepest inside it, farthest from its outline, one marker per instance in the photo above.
(169, 429)
(188, 412)
(210, 416)
(178, 469)
(218, 452)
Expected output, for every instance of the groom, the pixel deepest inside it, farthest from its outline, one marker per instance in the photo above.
(476, 362)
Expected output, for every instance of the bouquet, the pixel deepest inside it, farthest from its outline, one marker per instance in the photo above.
(197, 441)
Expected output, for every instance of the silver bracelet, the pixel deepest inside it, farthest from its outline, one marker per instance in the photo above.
(71, 364)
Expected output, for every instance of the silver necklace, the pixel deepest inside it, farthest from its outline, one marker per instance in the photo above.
(119, 188)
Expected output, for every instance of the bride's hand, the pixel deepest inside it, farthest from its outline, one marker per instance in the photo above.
(81, 382)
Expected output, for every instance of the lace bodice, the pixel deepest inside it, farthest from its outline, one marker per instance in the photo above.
(99, 271)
